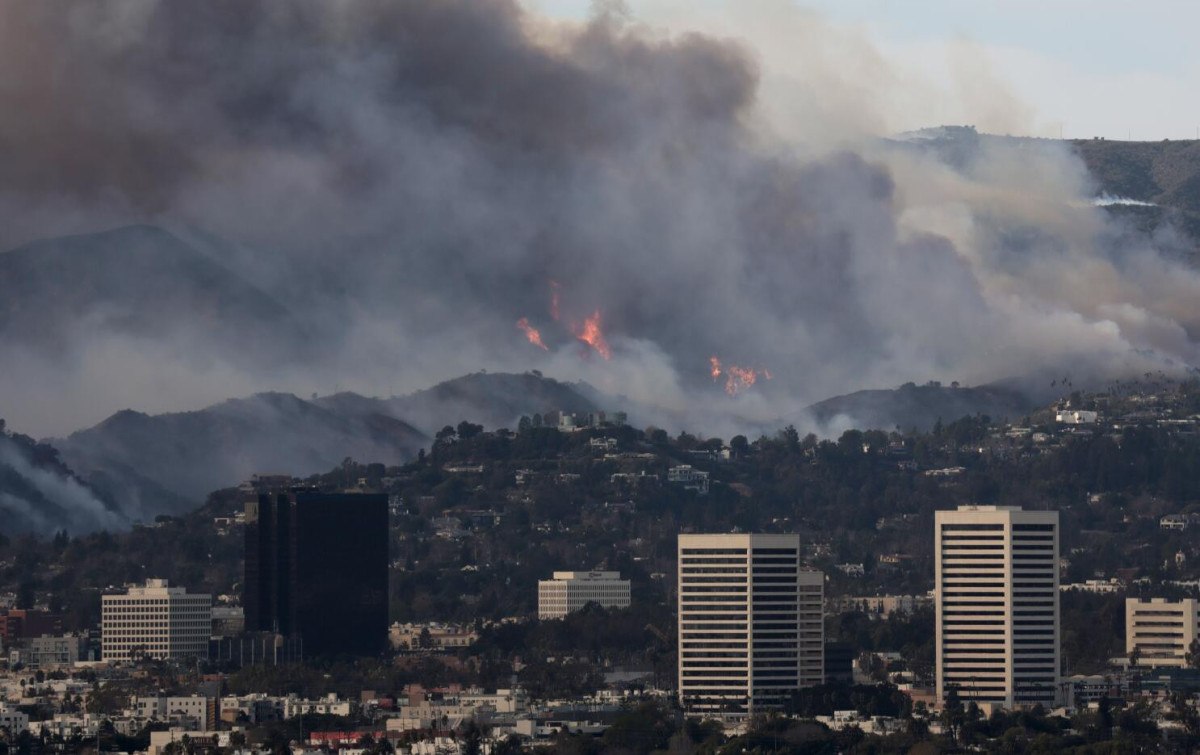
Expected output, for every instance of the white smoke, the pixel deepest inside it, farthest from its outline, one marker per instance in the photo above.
(76, 508)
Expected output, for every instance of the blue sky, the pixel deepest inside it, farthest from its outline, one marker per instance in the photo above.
(1085, 67)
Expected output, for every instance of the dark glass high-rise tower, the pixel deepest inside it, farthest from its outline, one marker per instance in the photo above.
(316, 567)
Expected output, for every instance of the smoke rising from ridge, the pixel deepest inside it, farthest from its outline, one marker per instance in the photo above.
(51, 501)
(409, 177)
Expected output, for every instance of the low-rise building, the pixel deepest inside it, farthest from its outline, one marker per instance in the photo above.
(329, 705)
(1174, 522)
(569, 591)
(20, 623)
(689, 477)
(431, 636)
(194, 712)
(1076, 417)
(1160, 631)
(12, 719)
(228, 621)
(883, 606)
(50, 651)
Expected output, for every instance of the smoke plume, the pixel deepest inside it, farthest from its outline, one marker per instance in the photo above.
(414, 180)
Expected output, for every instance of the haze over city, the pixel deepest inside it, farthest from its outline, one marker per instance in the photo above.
(451, 377)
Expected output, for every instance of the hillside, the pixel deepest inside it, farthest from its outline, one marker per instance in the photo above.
(40, 494)
(166, 464)
(490, 399)
(1164, 174)
(919, 407)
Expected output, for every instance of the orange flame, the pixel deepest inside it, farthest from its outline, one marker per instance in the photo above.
(593, 336)
(531, 333)
(554, 299)
(740, 378)
(737, 379)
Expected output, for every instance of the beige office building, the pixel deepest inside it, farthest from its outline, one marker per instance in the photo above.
(751, 628)
(997, 604)
(155, 621)
(569, 591)
(1161, 630)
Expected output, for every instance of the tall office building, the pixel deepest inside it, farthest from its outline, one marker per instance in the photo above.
(997, 605)
(316, 568)
(1161, 630)
(751, 628)
(155, 621)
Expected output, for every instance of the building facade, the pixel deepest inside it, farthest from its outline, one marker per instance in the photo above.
(1161, 631)
(19, 623)
(997, 601)
(155, 621)
(431, 636)
(569, 591)
(751, 628)
(49, 651)
(316, 568)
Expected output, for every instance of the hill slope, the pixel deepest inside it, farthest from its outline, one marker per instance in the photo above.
(490, 399)
(911, 406)
(166, 464)
(40, 494)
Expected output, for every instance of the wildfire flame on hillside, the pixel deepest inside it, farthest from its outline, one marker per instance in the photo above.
(531, 333)
(737, 378)
(593, 336)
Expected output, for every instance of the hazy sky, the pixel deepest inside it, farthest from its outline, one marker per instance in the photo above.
(1083, 68)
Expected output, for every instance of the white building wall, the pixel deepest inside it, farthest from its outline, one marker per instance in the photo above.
(164, 622)
(751, 627)
(997, 605)
(1161, 630)
(568, 592)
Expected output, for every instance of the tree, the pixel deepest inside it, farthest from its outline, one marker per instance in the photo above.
(739, 445)
(472, 739)
(1193, 654)
(953, 713)
(466, 430)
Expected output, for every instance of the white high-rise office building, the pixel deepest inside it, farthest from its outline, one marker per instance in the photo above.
(569, 591)
(997, 605)
(751, 628)
(156, 621)
(1161, 631)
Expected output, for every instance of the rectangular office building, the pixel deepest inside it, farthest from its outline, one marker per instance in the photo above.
(751, 628)
(570, 591)
(317, 570)
(1161, 631)
(155, 621)
(997, 605)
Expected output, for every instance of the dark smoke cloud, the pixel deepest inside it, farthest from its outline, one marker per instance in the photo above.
(410, 176)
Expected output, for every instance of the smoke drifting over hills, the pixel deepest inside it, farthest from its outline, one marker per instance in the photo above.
(410, 179)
